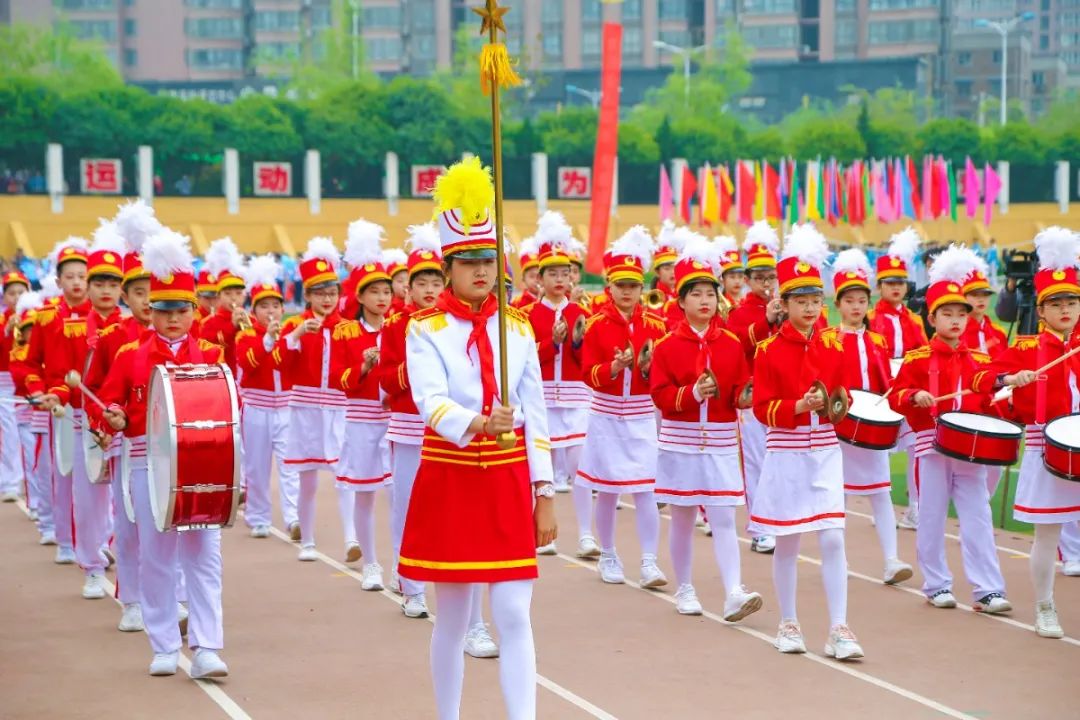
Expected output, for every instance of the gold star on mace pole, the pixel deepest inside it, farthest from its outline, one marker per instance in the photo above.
(493, 18)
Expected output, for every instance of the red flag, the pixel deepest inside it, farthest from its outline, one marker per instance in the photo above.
(771, 179)
(935, 189)
(916, 196)
(747, 191)
(607, 142)
(686, 193)
(725, 189)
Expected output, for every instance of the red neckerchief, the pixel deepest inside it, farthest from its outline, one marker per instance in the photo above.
(328, 321)
(82, 310)
(94, 323)
(450, 303)
(711, 334)
(886, 307)
(942, 351)
(635, 323)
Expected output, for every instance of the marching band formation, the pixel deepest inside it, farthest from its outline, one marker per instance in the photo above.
(137, 435)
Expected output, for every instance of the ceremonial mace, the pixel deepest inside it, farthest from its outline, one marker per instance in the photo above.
(497, 71)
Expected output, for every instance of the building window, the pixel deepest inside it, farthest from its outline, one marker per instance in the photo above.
(424, 47)
(963, 89)
(129, 28)
(277, 20)
(590, 11)
(279, 50)
(892, 32)
(95, 29)
(847, 33)
(770, 36)
(1038, 79)
(963, 59)
(215, 59)
(1044, 42)
(996, 57)
(845, 6)
(383, 49)
(215, 4)
(321, 17)
(226, 28)
(422, 14)
(905, 4)
(590, 42)
(768, 7)
(631, 10)
(631, 42)
(678, 38)
(85, 4)
(382, 16)
(672, 9)
(553, 44)
(131, 58)
(552, 12)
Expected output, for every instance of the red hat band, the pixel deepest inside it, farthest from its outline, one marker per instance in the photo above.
(1049, 283)
(623, 267)
(105, 263)
(890, 266)
(688, 270)
(793, 274)
(850, 279)
(945, 292)
(317, 271)
(179, 286)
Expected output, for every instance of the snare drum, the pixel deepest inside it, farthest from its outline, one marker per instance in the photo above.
(981, 439)
(193, 447)
(1061, 456)
(870, 422)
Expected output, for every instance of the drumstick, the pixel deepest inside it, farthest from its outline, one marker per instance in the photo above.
(884, 397)
(74, 378)
(952, 396)
(1007, 391)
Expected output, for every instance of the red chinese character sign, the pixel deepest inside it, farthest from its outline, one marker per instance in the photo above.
(423, 179)
(575, 183)
(273, 179)
(101, 176)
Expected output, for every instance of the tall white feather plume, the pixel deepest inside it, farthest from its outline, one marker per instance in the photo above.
(852, 260)
(637, 242)
(136, 222)
(700, 248)
(167, 253)
(70, 241)
(107, 238)
(394, 256)
(363, 243)
(222, 255)
(1058, 248)
(322, 248)
(905, 244)
(262, 270)
(725, 244)
(424, 237)
(679, 237)
(577, 247)
(529, 246)
(50, 288)
(666, 229)
(553, 228)
(808, 244)
(953, 264)
(28, 301)
(762, 233)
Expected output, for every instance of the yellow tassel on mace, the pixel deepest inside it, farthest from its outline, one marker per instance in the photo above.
(496, 66)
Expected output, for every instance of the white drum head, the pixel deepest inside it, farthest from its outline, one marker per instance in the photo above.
(873, 407)
(93, 457)
(125, 478)
(160, 448)
(1064, 431)
(63, 434)
(982, 423)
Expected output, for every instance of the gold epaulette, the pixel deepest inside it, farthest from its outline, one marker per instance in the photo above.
(206, 346)
(246, 332)
(877, 338)
(518, 313)
(106, 331)
(20, 352)
(290, 324)
(394, 319)
(981, 357)
(128, 347)
(518, 321)
(661, 340)
(431, 319)
(592, 320)
(44, 315)
(74, 328)
(917, 353)
(731, 335)
(526, 310)
(346, 330)
(762, 346)
(1026, 342)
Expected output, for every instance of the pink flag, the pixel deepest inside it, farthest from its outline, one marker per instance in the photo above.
(882, 203)
(942, 170)
(927, 184)
(667, 195)
(992, 187)
(971, 188)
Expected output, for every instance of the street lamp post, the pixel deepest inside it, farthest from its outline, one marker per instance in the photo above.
(593, 96)
(687, 53)
(1003, 29)
(355, 5)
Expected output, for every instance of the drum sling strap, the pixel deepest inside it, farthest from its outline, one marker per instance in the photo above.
(142, 357)
(1040, 383)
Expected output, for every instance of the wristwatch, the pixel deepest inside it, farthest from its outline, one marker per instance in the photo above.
(547, 490)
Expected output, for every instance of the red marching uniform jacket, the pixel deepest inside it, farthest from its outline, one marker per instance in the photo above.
(673, 313)
(525, 299)
(608, 331)
(42, 370)
(542, 318)
(108, 342)
(347, 363)
(902, 329)
(986, 336)
(220, 330)
(73, 346)
(7, 340)
(305, 366)
(749, 321)
(786, 366)
(939, 369)
(865, 369)
(392, 371)
(1030, 404)
(679, 360)
(261, 381)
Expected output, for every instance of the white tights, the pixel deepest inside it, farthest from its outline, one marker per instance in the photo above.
(309, 484)
(725, 544)
(510, 603)
(884, 523)
(833, 574)
(1043, 560)
(645, 511)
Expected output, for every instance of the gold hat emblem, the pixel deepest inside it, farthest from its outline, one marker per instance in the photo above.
(1059, 275)
(697, 265)
(953, 288)
(68, 251)
(631, 260)
(426, 255)
(209, 277)
(852, 276)
(109, 257)
(369, 268)
(895, 262)
(321, 266)
(168, 279)
(802, 268)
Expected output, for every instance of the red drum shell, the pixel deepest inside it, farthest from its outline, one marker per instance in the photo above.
(984, 447)
(1060, 458)
(868, 433)
(202, 475)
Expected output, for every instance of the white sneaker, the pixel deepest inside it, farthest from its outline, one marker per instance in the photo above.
(942, 599)
(993, 604)
(548, 549)
(352, 552)
(32, 515)
(372, 574)
(651, 576)
(897, 571)
(260, 531)
(478, 643)
(415, 606)
(47, 539)
(686, 600)
(1071, 568)
(789, 638)
(842, 644)
(764, 544)
(307, 553)
(910, 519)
(587, 548)
(1046, 621)
(740, 603)
(131, 619)
(561, 485)
(294, 532)
(611, 570)
(64, 556)
(9, 497)
(395, 582)
(94, 587)
(208, 664)
(164, 663)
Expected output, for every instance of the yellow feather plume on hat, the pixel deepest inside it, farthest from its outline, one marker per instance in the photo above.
(466, 186)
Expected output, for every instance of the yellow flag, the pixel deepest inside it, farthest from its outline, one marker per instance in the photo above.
(710, 202)
(812, 190)
(759, 196)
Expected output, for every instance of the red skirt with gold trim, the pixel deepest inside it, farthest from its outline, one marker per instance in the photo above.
(470, 516)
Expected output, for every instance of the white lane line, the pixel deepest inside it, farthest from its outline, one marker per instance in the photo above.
(544, 682)
(952, 536)
(917, 593)
(211, 688)
(819, 659)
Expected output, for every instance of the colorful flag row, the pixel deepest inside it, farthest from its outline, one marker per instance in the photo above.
(828, 191)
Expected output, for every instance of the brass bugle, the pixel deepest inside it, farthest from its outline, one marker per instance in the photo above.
(245, 319)
(654, 299)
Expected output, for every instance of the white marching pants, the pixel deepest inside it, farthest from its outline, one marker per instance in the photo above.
(264, 434)
(752, 442)
(1069, 543)
(125, 543)
(405, 461)
(61, 494)
(38, 463)
(198, 553)
(12, 474)
(91, 506)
